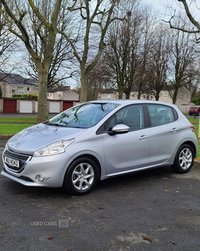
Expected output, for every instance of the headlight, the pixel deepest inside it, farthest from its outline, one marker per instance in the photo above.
(55, 148)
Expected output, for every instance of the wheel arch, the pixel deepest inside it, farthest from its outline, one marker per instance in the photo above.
(190, 144)
(88, 156)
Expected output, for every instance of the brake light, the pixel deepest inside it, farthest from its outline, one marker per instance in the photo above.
(192, 127)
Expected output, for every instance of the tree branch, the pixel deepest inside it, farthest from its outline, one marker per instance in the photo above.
(191, 18)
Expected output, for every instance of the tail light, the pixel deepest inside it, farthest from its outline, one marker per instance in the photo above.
(192, 127)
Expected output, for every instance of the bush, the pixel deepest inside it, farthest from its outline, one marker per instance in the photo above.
(28, 96)
(32, 96)
(196, 101)
(19, 96)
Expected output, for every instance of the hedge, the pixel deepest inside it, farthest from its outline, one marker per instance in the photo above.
(30, 96)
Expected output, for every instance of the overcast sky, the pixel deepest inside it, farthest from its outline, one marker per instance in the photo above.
(162, 6)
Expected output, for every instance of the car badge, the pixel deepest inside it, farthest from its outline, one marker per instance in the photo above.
(17, 144)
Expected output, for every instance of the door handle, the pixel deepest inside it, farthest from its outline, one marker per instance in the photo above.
(174, 130)
(143, 137)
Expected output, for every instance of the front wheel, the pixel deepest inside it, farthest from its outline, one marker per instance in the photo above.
(81, 176)
(184, 159)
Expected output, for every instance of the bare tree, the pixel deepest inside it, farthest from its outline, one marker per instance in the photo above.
(183, 25)
(61, 68)
(98, 79)
(193, 79)
(122, 52)
(144, 52)
(96, 18)
(6, 40)
(183, 58)
(159, 63)
(28, 21)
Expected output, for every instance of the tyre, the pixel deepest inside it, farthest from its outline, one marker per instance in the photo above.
(184, 159)
(81, 176)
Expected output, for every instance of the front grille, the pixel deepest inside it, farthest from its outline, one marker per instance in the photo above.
(22, 158)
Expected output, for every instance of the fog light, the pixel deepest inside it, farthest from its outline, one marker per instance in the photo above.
(39, 178)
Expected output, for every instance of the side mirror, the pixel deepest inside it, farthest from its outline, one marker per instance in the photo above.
(118, 129)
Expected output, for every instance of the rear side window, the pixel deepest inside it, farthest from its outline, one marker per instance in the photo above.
(160, 114)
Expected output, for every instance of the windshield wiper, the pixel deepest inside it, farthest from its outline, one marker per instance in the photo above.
(55, 124)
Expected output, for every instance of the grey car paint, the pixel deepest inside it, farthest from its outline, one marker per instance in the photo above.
(116, 154)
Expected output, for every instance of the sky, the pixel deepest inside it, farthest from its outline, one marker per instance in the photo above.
(162, 6)
(159, 5)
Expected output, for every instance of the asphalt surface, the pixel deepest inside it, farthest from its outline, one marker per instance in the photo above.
(151, 210)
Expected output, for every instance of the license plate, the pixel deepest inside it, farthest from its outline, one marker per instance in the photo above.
(11, 162)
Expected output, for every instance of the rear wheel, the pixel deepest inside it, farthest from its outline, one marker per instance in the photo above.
(184, 159)
(81, 176)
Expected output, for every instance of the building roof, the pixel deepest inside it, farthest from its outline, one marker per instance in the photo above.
(53, 89)
(13, 79)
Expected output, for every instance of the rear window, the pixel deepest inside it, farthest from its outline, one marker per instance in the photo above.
(193, 107)
(160, 114)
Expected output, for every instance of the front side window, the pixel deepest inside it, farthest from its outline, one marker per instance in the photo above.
(83, 116)
(132, 116)
(160, 114)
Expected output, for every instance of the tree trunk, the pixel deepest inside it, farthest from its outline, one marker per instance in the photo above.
(120, 93)
(84, 87)
(127, 92)
(175, 96)
(157, 95)
(42, 113)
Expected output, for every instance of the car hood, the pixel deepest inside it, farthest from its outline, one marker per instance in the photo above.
(39, 136)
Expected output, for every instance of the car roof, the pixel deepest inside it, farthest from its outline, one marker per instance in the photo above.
(131, 101)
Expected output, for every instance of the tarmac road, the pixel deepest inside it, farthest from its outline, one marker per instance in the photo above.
(152, 210)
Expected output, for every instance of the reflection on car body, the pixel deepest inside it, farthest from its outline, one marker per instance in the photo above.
(100, 139)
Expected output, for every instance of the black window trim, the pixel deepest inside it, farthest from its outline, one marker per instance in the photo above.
(174, 112)
(146, 121)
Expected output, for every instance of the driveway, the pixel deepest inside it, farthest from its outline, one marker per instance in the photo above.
(152, 210)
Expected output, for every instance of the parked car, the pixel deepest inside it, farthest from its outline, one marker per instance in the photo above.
(100, 139)
(194, 110)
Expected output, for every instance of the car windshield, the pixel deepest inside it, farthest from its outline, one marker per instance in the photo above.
(82, 116)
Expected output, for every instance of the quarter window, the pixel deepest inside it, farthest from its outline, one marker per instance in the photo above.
(160, 114)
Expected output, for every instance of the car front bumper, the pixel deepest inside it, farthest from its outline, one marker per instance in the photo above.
(48, 171)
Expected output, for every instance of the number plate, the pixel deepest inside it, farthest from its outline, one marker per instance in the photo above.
(11, 162)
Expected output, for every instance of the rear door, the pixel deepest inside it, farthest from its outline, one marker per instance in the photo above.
(163, 132)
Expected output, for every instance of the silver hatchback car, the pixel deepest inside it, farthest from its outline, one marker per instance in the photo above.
(100, 139)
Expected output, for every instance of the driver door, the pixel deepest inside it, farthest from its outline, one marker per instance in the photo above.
(130, 150)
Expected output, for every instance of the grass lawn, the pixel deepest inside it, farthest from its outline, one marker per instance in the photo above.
(193, 120)
(12, 128)
(25, 120)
